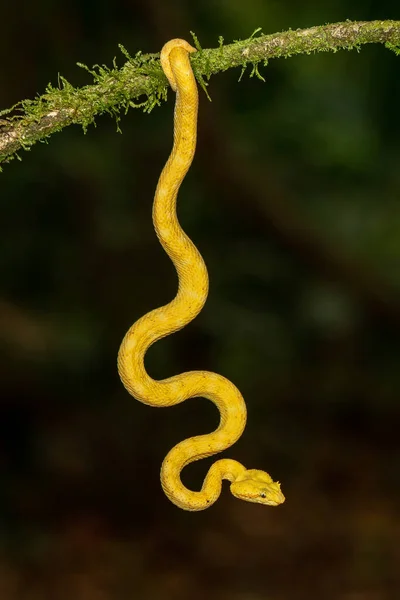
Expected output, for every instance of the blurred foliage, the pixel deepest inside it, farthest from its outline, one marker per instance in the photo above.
(293, 201)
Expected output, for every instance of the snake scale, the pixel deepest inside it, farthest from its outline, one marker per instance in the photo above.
(251, 485)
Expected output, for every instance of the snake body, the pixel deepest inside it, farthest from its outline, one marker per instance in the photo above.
(252, 485)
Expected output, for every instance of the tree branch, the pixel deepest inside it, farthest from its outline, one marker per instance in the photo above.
(115, 89)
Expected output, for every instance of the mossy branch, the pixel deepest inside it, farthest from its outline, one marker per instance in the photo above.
(119, 89)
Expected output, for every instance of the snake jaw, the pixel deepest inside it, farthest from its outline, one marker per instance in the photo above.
(258, 487)
(271, 495)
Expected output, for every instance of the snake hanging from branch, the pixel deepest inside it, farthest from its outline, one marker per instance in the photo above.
(251, 485)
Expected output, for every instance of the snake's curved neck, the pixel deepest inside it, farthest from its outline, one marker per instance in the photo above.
(180, 495)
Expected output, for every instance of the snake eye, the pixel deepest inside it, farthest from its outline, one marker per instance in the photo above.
(262, 496)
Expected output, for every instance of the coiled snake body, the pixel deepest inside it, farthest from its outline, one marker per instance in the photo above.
(252, 485)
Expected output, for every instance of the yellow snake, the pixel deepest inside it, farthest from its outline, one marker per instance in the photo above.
(251, 485)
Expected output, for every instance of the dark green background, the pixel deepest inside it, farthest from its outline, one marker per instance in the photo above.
(293, 200)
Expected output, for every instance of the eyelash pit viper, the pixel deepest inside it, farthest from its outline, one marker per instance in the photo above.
(251, 485)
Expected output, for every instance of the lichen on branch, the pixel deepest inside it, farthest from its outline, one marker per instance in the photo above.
(118, 89)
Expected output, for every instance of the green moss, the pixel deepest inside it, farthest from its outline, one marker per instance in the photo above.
(393, 47)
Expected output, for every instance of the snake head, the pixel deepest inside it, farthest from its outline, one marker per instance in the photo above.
(257, 486)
